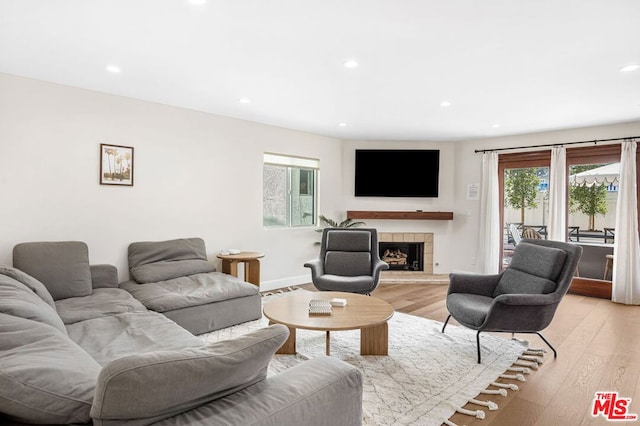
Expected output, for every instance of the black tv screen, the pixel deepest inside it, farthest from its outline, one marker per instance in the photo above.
(397, 172)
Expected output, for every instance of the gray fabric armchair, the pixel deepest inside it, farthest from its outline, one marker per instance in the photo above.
(349, 261)
(521, 299)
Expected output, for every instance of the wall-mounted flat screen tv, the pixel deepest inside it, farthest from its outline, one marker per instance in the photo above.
(397, 172)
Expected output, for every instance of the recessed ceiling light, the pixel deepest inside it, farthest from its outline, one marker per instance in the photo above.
(342, 124)
(445, 104)
(113, 68)
(351, 64)
(244, 100)
(495, 126)
(632, 67)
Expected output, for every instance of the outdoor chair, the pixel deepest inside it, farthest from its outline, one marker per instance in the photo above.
(521, 299)
(349, 261)
(515, 233)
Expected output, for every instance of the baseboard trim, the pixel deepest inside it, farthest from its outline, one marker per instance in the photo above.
(591, 287)
(284, 282)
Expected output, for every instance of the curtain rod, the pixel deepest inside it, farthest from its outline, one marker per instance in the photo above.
(595, 141)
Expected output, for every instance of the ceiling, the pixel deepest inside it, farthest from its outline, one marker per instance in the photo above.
(506, 67)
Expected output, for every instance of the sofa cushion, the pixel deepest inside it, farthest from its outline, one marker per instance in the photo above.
(153, 261)
(166, 270)
(193, 290)
(102, 302)
(110, 337)
(44, 376)
(20, 301)
(33, 284)
(144, 386)
(63, 267)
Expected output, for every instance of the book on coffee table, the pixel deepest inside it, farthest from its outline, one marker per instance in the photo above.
(319, 307)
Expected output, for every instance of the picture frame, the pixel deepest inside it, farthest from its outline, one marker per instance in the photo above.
(116, 165)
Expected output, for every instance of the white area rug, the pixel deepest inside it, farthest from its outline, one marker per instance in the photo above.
(425, 378)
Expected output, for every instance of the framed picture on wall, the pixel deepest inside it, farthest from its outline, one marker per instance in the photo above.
(116, 165)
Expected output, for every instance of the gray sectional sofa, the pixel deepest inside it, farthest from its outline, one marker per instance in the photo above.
(76, 349)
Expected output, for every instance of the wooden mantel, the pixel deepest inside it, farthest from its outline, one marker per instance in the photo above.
(407, 215)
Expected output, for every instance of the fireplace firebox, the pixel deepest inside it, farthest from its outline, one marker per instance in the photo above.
(405, 256)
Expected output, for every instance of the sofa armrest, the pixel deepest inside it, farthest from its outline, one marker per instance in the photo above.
(104, 276)
(146, 388)
(322, 391)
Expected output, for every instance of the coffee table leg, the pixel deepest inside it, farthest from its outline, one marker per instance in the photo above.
(374, 340)
(289, 346)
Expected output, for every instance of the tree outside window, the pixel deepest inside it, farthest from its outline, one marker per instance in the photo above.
(521, 189)
(588, 200)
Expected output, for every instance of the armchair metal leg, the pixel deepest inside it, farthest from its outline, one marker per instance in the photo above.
(478, 344)
(446, 322)
(555, 354)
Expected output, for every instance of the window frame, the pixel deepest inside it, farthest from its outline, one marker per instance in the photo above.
(302, 164)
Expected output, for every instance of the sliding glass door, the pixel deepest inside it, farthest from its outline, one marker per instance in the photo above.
(592, 185)
(524, 193)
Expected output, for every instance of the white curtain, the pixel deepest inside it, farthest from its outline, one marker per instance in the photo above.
(557, 194)
(626, 249)
(489, 236)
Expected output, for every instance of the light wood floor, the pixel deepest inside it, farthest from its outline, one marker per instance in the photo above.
(598, 344)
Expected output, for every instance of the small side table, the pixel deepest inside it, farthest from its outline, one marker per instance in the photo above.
(251, 265)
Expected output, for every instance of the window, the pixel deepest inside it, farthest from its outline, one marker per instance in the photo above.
(524, 183)
(593, 193)
(289, 191)
(592, 185)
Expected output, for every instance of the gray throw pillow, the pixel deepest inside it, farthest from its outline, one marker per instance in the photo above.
(153, 261)
(159, 385)
(44, 376)
(36, 286)
(18, 300)
(167, 270)
(63, 267)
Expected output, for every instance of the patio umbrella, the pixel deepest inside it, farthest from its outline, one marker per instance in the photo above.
(605, 175)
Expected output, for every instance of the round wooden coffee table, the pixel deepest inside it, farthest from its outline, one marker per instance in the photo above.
(365, 313)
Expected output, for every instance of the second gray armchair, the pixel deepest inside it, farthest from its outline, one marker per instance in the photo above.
(521, 299)
(349, 261)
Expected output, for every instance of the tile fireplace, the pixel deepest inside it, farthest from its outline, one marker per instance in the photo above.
(407, 253)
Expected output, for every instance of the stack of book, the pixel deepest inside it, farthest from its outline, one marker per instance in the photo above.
(319, 307)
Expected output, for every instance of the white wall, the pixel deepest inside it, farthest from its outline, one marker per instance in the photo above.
(468, 170)
(443, 242)
(196, 174)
